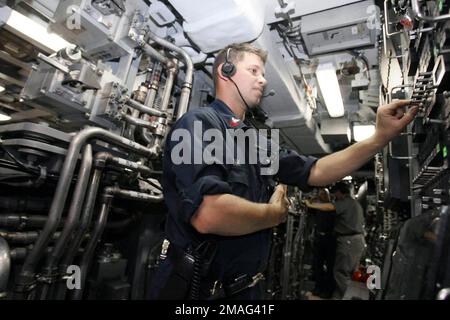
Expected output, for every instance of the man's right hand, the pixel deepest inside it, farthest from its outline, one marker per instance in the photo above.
(280, 203)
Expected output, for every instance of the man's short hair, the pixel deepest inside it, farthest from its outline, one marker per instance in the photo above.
(342, 187)
(235, 55)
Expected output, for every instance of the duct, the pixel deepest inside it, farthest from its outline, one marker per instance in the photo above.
(5, 266)
(72, 217)
(26, 275)
(213, 24)
(187, 85)
(147, 110)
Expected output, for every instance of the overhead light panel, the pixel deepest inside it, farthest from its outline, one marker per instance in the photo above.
(329, 86)
(362, 132)
(31, 31)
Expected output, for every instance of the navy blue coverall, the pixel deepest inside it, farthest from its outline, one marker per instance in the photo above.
(185, 185)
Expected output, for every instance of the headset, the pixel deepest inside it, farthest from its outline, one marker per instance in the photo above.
(228, 67)
(229, 70)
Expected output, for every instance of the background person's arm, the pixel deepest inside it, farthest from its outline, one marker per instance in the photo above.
(320, 206)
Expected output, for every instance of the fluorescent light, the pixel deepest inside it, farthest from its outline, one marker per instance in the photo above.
(33, 32)
(4, 117)
(361, 132)
(2, 88)
(329, 86)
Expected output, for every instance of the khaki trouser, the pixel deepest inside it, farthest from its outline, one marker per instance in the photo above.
(349, 251)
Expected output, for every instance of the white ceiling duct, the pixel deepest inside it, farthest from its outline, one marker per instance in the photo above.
(212, 25)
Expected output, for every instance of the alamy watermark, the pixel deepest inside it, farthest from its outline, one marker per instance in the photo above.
(238, 147)
(73, 277)
(374, 280)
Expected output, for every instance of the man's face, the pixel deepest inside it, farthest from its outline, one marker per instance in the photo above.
(250, 78)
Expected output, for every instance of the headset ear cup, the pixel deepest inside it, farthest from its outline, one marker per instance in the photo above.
(228, 69)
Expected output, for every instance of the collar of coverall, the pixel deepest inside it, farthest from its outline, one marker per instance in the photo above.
(231, 119)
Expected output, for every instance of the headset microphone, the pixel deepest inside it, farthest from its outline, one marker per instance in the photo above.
(270, 93)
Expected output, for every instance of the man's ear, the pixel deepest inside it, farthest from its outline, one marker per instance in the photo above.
(220, 74)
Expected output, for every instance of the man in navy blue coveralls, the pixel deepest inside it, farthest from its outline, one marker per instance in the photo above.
(233, 204)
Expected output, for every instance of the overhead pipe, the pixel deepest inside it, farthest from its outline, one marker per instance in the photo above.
(188, 80)
(26, 276)
(71, 220)
(5, 267)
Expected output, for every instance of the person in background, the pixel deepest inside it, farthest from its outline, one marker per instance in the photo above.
(349, 232)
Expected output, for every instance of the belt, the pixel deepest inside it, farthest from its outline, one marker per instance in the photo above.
(220, 291)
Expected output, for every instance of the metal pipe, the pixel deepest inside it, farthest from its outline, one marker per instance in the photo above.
(150, 100)
(107, 197)
(24, 203)
(152, 52)
(137, 122)
(134, 195)
(5, 266)
(81, 231)
(416, 9)
(90, 248)
(26, 275)
(28, 237)
(108, 157)
(147, 110)
(72, 218)
(101, 160)
(187, 85)
(22, 220)
(168, 87)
